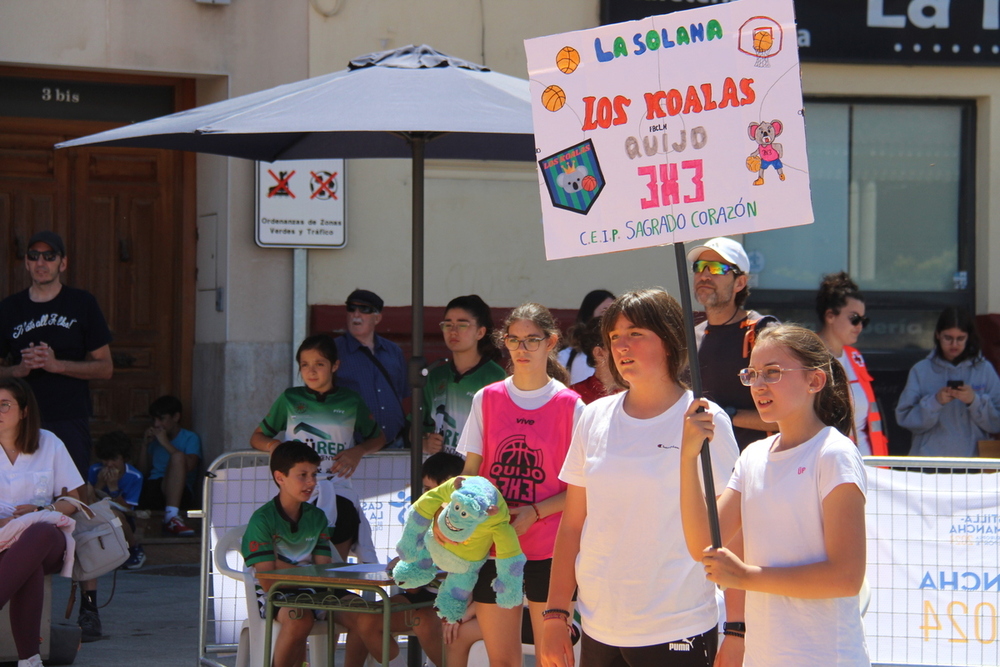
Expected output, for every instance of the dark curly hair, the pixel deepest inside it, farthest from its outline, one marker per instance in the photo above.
(834, 291)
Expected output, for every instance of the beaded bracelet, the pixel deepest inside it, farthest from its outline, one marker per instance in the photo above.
(552, 612)
(733, 633)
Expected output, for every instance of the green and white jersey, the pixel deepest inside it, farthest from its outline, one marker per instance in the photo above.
(326, 422)
(448, 398)
(271, 535)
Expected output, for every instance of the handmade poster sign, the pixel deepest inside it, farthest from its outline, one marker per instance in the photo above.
(670, 129)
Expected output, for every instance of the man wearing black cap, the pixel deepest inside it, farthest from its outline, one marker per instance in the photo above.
(56, 338)
(373, 366)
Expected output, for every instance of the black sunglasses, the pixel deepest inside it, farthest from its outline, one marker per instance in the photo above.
(47, 255)
(359, 308)
(856, 319)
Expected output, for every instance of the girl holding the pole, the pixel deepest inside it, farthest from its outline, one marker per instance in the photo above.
(641, 599)
(517, 436)
(799, 498)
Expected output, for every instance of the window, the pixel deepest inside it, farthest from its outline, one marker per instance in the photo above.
(887, 182)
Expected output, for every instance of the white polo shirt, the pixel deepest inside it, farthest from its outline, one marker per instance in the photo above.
(37, 479)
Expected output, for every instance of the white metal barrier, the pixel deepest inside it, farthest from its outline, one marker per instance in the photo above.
(238, 483)
(933, 561)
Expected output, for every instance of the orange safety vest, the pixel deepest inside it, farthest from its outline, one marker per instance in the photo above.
(876, 436)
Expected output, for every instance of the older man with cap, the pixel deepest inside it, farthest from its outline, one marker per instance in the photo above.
(721, 272)
(374, 366)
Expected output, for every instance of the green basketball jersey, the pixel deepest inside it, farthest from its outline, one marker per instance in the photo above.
(448, 398)
(326, 423)
(271, 535)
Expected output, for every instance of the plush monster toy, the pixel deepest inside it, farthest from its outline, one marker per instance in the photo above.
(453, 527)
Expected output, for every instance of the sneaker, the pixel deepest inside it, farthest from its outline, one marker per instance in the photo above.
(136, 558)
(33, 661)
(178, 528)
(90, 625)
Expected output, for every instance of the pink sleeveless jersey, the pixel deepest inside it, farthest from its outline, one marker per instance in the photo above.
(523, 452)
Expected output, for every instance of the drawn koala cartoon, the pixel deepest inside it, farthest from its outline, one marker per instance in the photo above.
(572, 178)
(768, 153)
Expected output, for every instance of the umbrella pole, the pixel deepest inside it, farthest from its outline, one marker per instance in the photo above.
(414, 657)
(706, 457)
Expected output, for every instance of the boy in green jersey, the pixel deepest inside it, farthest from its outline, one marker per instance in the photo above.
(288, 532)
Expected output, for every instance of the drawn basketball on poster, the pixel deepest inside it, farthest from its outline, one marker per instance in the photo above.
(762, 38)
(589, 183)
(567, 60)
(553, 98)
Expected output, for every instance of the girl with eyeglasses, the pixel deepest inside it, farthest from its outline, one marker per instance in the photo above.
(642, 601)
(799, 499)
(841, 310)
(951, 400)
(468, 332)
(517, 436)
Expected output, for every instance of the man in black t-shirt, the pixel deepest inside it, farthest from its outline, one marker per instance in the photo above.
(56, 338)
(725, 338)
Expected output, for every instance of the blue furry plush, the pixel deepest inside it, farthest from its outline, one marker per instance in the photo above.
(452, 527)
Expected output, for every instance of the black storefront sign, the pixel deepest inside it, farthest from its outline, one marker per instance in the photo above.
(23, 97)
(924, 32)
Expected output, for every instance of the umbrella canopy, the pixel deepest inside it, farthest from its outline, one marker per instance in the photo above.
(365, 111)
(406, 103)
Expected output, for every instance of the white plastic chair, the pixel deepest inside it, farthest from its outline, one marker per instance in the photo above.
(250, 650)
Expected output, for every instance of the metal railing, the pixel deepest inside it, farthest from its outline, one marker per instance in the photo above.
(933, 561)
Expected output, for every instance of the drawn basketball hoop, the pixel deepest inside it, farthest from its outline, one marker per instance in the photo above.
(761, 37)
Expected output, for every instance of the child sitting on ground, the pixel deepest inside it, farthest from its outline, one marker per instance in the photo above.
(115, 478)
(289, 532)
(171, 459)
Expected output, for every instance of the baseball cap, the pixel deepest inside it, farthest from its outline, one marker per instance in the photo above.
(53, 240)
(730, 250)
(367, 298)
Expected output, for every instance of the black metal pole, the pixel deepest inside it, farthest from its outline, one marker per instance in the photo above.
(706, 457)
(414, 656)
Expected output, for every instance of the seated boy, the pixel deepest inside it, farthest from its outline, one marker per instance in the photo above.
(423, 622)
(172, 458)
(115, 478)
(288, 532)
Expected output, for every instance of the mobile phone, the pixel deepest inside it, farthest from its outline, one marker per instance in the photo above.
(955, 384)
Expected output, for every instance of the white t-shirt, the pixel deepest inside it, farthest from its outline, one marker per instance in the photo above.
(781, 500)
(580, 371)
(471, 440)
(859, 400)
(37, 479)
(638, 586)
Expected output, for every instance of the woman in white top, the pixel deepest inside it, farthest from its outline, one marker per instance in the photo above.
(799, 498)
(841, 310)
(34, 470)
(641, 599)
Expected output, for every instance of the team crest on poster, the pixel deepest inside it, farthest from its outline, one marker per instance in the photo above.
(573, 177)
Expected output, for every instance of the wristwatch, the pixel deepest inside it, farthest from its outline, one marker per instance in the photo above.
(734, 626)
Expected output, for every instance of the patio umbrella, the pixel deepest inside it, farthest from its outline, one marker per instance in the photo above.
(413, 102)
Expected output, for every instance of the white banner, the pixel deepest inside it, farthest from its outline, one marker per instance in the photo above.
(670, 129)
(934, 568)
(300, 204)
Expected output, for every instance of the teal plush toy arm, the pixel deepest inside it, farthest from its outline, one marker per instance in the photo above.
(509, 583)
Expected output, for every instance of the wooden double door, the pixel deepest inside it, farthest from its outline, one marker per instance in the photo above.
(126, 216)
